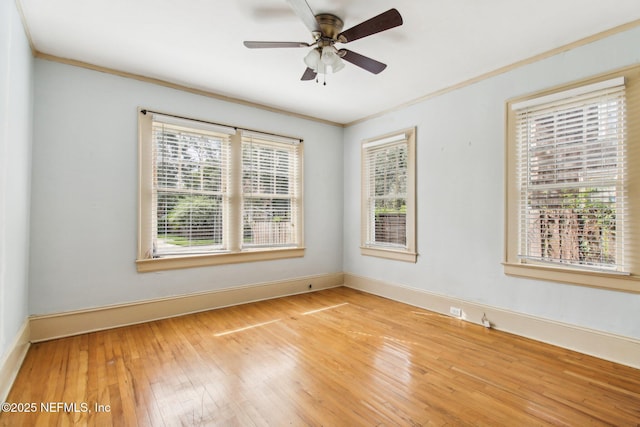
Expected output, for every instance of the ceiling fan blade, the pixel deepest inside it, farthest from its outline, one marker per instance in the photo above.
(309, 74)
(389, 19)
(262, 45)
(362, 61)
(304, 12)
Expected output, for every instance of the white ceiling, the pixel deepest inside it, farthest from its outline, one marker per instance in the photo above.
(198, 43)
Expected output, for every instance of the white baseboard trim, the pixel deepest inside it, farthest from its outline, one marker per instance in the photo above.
(70, 323)
(615, 348)
(12, 361)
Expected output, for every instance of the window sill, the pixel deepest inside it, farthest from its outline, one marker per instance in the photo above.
(190, 261)
(397, 255)
(595, 279)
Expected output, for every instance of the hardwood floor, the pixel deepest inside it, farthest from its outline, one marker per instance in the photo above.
(337, 357)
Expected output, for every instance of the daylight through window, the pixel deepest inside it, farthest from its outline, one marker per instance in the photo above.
(388, 200)
(571, 163)
(572, 174)
(210, 190)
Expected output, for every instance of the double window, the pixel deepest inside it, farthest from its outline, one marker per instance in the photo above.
(212, 194)
(388, 196)
(571, 214)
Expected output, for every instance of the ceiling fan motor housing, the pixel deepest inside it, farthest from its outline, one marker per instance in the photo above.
(330, 26)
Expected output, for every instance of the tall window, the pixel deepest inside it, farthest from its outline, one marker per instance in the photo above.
(388, 196)
(270, 192)
(570, 180)
(571, 157)
(190, 189)
(212, 194)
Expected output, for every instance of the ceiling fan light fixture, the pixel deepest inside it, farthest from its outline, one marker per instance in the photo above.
(329, 55)
(321, 68)
(337, 65)
(312, 59)
(324, 60)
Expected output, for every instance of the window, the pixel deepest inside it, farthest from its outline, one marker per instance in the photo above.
(211, 194)
(571, 211)
(388, 196)
(270, 192)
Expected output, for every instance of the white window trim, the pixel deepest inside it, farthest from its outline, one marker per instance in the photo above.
(513, 264)
(409, 253)
(144, 260)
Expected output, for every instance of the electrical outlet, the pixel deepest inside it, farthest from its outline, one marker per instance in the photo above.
(455, 311)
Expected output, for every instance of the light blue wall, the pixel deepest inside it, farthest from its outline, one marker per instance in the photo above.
(16, 75)
(85, 191)
(460, 185)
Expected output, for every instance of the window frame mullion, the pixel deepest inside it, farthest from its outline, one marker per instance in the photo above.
(233, 209)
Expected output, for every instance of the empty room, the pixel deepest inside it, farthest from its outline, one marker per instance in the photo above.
(319, 213)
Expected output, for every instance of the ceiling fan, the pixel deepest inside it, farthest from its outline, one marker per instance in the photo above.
(326, 30)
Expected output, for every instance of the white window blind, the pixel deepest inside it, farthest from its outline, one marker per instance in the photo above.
(571, 176)
(271, 190)
(385, 187)
(190, 188)
(212, 194)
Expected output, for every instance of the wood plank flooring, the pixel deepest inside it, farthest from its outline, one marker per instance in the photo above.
(336, 357)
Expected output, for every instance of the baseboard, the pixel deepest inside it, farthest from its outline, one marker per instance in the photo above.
(615, 348)
(65, 324)
(12, 361)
